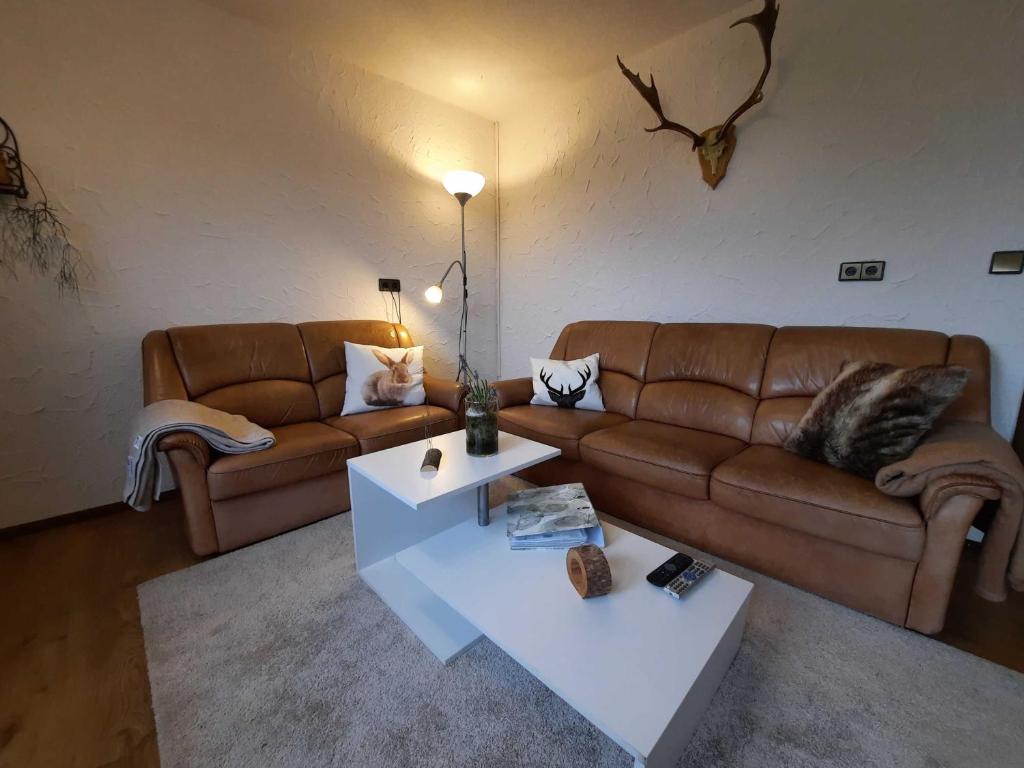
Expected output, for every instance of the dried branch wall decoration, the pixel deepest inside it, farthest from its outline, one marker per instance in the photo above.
(32, 234)
(716, 145)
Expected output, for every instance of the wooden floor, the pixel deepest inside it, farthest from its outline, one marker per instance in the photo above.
(73, 686)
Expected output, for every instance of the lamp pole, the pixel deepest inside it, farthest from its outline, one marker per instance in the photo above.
(463, 198)
(463, 186)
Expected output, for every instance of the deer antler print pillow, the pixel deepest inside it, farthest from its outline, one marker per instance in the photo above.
(382, 378)
(567, 383)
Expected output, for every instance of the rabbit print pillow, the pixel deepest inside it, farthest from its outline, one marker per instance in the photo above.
(382, 378)
(567, 383)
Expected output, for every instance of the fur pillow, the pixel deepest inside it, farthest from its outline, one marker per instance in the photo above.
(874, 414)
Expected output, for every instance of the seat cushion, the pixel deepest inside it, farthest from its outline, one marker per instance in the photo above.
(779, 487)
(303, 451)
(560, 428)
(377, 430)
(674, 459)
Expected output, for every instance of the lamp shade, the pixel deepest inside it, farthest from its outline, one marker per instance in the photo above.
(465, 182)
(434, 294)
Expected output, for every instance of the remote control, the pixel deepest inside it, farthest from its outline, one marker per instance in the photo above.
(689, 577)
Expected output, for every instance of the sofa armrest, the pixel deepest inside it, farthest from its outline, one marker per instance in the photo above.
(949, 505)
(189, 457)
(514, 391)
(943, 489)
(161, 379)
(443, 392)
(187, 441)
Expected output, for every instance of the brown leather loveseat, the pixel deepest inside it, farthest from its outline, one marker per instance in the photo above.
(691, 447)
(291, 380)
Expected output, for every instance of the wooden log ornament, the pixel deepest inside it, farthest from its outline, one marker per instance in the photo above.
(588, 571)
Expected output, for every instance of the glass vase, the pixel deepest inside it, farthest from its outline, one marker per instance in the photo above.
(482, 427)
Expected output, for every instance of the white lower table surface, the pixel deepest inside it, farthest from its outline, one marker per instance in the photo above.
(638, 664)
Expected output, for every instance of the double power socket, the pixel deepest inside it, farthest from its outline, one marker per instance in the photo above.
(861, 270)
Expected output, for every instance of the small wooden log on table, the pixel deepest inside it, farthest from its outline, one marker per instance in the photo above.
(588, 571)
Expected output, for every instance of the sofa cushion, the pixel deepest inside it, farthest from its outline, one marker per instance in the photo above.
(775, 419)
(257, 370)
(776, 486)
(214, 356)
(623, 346)
(377, 430)
(674, 459)
(303, 451)
(803, 360)
(558, 427)
(728, 354)
(324, 341)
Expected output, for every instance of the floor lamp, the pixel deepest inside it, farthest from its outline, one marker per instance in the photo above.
(463, 186)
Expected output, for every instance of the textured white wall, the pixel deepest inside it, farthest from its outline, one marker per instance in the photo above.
(211, 173)
(890, 130)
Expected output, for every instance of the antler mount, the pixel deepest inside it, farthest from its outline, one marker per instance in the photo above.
(716, 145)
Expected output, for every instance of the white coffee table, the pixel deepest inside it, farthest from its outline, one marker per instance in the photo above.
(639, 665)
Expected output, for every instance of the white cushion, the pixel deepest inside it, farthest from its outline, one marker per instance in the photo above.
(379, 377)
(567, 383)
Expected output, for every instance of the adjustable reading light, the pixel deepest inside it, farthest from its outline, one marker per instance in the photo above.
(434, 293)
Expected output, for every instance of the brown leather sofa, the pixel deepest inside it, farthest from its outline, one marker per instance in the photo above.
(291, 380)
(691, 447)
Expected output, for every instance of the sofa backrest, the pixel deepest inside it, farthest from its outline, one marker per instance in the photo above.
(803, 360)
(754, 382)
(258, 370)
(271, 373)
(325, 349)
(623, 346)
(705, 376)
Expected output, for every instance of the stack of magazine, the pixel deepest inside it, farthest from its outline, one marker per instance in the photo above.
(558, 517)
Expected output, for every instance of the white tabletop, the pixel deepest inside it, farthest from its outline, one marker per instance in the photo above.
(397, 470)
(626, 661)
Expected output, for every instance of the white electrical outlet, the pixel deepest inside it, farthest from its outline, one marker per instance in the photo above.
(849, 270)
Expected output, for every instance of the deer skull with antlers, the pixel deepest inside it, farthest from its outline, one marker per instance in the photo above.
(715, 145)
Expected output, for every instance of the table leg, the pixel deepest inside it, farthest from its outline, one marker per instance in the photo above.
(383, 526)
(483, 504)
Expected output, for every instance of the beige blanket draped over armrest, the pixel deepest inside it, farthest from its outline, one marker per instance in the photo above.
(224, 432)
(978, 455)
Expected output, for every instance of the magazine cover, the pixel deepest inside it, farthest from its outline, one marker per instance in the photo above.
(536, 511)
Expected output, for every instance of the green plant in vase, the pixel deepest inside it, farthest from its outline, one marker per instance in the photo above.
(481, 416)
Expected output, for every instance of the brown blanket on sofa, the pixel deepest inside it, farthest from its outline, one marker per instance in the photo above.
(974, 450)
